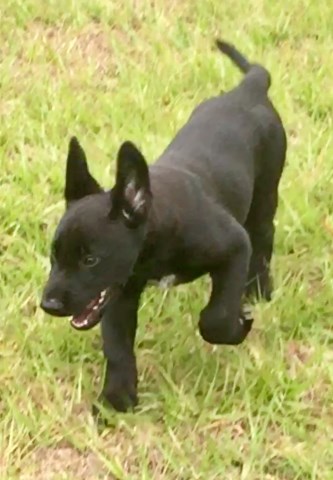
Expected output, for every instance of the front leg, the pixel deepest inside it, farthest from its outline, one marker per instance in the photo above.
(118, 327)
(222, 321)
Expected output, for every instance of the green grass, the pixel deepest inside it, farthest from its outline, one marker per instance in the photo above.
(109, 71)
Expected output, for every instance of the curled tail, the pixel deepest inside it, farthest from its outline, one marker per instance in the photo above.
(244, 65)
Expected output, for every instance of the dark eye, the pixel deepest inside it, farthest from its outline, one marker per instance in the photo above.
(90, 261)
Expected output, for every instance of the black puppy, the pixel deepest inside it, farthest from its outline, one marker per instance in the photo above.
(206, 206)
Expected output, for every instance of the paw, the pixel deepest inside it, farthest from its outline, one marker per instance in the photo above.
(122, 400)
(222, 329)
(119, 401)
(246, 319)
(119, 393)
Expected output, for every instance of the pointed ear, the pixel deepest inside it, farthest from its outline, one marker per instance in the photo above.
(131, 196)
(79, 182)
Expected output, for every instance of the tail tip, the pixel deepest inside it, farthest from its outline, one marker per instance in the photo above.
(221, 45)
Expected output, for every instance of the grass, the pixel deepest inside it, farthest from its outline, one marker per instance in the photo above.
(108, 71)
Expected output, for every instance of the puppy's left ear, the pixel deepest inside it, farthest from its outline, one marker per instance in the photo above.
(79, 181)
(131, 195)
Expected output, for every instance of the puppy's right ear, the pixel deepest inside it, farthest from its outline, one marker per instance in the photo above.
(79, 181)
(131, 195)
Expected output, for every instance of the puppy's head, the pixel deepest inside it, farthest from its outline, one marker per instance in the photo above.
(99, 237)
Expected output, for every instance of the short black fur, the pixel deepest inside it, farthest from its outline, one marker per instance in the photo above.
(206, 205)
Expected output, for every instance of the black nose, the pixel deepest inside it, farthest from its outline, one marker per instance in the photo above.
(53, 306)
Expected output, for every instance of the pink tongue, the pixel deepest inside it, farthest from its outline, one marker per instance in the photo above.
(92, 303)
(80, 318)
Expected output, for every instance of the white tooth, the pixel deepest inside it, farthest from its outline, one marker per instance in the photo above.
(95, 307)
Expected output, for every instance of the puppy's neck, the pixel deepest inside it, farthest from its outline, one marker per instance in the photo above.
(162, 229)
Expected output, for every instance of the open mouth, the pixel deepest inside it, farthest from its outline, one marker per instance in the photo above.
(92, 314)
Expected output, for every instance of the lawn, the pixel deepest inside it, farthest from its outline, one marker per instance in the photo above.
(107, 71)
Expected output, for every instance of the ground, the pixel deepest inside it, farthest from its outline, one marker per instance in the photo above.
(109, 71)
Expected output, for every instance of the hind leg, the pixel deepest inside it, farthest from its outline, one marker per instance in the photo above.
(260, 227)
(260, 221)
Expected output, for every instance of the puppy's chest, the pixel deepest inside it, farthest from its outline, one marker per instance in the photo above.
(178, 277)
(168, 270)
(165, 282)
